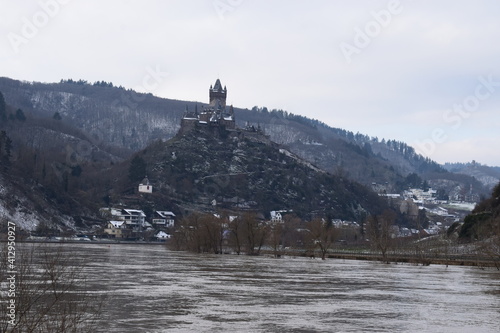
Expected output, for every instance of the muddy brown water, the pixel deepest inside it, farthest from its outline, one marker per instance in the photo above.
(152, 289)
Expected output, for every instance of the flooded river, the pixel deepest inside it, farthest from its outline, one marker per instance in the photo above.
(151, 289)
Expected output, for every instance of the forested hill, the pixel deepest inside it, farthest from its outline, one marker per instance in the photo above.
(484, 222)
(125, 121)
(237, 171)
(488, 175)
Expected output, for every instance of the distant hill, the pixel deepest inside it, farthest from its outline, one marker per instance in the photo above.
(91, 125)
(487, 175)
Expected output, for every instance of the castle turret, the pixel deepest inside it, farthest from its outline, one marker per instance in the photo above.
(217, 95)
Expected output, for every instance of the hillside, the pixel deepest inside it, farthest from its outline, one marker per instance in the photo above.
(31, 205)
(488, 176)
(116, 117)
(484, 222)
(234, 171)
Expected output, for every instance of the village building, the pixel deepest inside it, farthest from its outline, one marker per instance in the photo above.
(276, 217)
(164, 218)
(115, 229)
(420, 196)
(132, 217)
(145, 186)
(161, 235)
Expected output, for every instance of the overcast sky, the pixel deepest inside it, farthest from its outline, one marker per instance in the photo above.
(423, 72)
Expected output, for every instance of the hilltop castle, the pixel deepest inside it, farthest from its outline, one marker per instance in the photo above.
(215, 115)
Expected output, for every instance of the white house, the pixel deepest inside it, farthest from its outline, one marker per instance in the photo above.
(132, 217)
(164, 218)
(161, 235)
(115, 228)
(145, 186)
(276, 217)
(421, 195)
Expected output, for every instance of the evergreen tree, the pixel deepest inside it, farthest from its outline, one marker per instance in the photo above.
(137, 169)
(20, 115)
(3, 109)
(5, 151)
(57, 116)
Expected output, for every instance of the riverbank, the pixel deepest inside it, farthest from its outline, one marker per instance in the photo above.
(425, 261)
(68, 241)
(455, 260)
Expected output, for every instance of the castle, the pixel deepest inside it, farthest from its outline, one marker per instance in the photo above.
(215, 115)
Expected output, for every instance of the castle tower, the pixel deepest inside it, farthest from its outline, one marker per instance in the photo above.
(215, 115)
(217, 95)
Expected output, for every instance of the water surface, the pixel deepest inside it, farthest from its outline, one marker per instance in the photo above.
(151, 289)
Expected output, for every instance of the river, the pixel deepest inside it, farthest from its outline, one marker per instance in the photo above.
(152, 289)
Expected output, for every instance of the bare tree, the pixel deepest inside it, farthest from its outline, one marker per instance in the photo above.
(212, 232)
(291, 235)
(236, 234)
(187, 236)
(276, 231)
(255, 233)
(379, 231)
(321, 235)
(50, 293)
(200, 233)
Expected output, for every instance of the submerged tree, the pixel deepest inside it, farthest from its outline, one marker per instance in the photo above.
(212, 233)
(276, 233)
(379, 231)
(199, 233)
(321, 235)
(236, 234)
(254, 233)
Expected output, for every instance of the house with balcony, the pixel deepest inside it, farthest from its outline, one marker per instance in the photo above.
(163, 218)
(133, 218)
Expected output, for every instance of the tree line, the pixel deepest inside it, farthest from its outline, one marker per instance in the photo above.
(248, 233)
